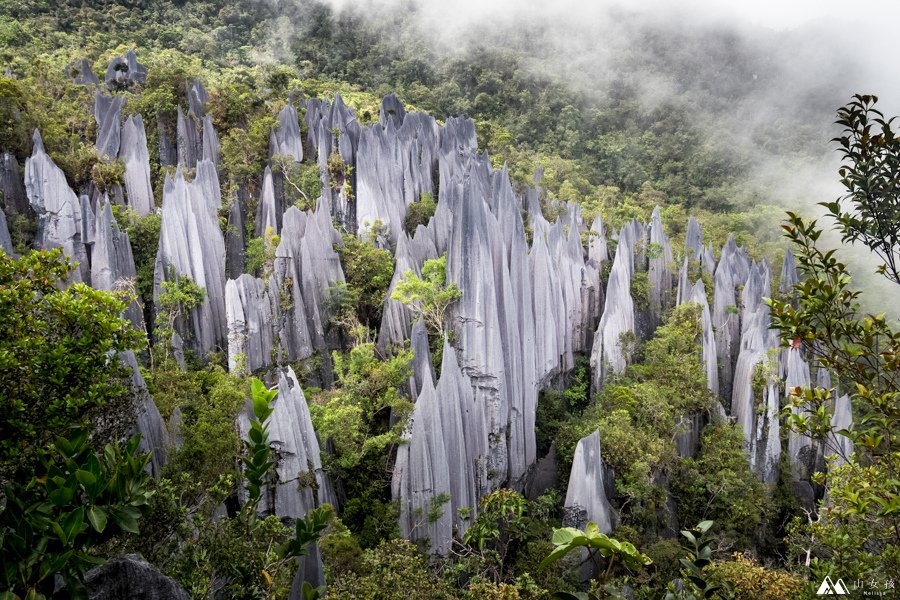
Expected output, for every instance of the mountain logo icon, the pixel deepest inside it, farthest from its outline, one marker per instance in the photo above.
(832, 588)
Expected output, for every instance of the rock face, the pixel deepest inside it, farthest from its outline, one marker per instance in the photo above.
(5, 241)
(123, 71)
(154, 438)
(395, 161)
(134, 154)
(108, 113)
(83, 74)
(12, 193)
(301, 483)
(191, 243)
(756, 378)
(658, 271)
(59, 211)
(617, 320)
(586, 500)
(249, 314)
(130, 576)
(422, 475)
(112, 262)
(269, 210)
(285, 138)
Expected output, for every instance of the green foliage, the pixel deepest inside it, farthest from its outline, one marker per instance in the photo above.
(364, 417)
(638, 415)
(302, 183)
(419, 213)
(718, 484)
(258, 462)
(77, 501)
(569, 539)
(554, 407)
(749, 580)
(429, 297)
(394, 570)
(356, 415)
(143, 233)
(695, 581)
(870, 211)
(246, 149)
(176, 299)
(259, 258)
(368, 271)
(55, 370)
(857, 532)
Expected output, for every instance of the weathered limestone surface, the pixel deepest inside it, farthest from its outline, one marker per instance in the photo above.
(658, 270)
(285, 138)
(150, 424)
(268, 212)
(191, 243)
(58, 209)
(5, 240)
(12, 193)
(84, 74)
(422, 473)
(249, 313)
(112, 262)
(108, 114)
(297, 456)
(130, 576)
(124, 71)
(586, 500)
(618, 315)
(133, 152)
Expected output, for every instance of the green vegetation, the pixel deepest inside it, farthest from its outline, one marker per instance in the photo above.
(71, 497)
(429, 297)
(54, 367)
(569, 539)
(77, 500)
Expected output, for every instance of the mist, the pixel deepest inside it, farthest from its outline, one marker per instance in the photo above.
(759, 79)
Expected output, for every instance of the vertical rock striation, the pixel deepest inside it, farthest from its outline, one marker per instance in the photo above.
(59, 211)
(133, 152)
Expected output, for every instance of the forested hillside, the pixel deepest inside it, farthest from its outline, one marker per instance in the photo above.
(296, 301)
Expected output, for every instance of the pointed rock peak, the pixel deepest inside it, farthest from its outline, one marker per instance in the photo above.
(38, 143)
(392, 110)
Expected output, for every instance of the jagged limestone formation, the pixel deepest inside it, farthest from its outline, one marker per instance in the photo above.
(210, 142)
(112, 262)
(300, 484)
(83, 74)
(618, 319)
(840, 445)
(658, 271)
(234, 234)
(108, 114)
(133, 152)
(12, 193)
(249, 313)
(333, 134)
(269, 210)
(422, 367)
(150, 424)
(130, 576)
(59, 210)
(5, 240)
(422, 475)
(800, 448)
(285, 138)
(191, 243)
(586, 500)
(395, 165)
(124, 71)
(755, 369)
